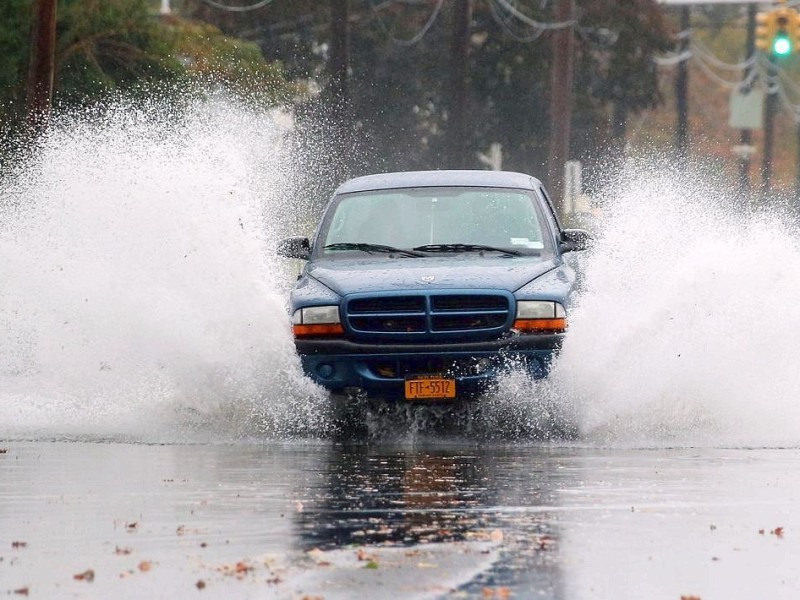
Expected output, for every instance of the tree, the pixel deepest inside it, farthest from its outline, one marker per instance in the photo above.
(15, 18)
(617, 66)
(106, 46)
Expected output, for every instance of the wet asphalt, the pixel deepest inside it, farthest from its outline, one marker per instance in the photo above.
(420, 519)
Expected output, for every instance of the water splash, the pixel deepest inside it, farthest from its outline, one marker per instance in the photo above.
(140, 298)
(139, 291)
(687, 331)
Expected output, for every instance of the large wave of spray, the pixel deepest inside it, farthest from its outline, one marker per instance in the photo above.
(688, 329)
(139, 294)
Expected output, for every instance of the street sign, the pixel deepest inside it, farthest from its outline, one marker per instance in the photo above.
(747, 108)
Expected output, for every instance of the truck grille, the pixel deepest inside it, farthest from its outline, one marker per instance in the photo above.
(429, 315)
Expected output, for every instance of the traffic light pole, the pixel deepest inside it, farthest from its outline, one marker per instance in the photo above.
(682, 90)
(747, 136)
(770, 110)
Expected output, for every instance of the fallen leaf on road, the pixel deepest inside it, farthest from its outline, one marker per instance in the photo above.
(544, 541)
(690, 597)
(363, 555)
(777, 532)
(19, 544)
(122, 551)
(87, 575)
(371, 565)
(200, 585)
(21, 591)
(501, 592)
(145, 566)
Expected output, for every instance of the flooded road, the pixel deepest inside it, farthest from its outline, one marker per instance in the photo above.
(158, 439)
(427, 519)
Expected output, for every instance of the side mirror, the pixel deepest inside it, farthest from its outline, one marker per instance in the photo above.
(574, 239)
(294, 247)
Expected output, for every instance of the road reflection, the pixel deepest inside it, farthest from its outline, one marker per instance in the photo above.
(371, 495)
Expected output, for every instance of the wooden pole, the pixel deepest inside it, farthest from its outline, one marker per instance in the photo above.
(770, 110)
(458, 138)
(682, 90)
(339, 109)
(561, 101)
(39, 92)
(746, 138)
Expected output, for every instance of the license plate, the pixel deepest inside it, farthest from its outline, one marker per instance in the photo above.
(430, 387)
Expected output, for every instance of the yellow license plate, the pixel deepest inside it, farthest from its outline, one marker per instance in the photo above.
(430, 387)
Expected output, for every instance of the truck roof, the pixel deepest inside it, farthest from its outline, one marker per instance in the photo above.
(414, 179)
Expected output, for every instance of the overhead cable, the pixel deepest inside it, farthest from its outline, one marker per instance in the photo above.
(721, 80)
(700, 48)
(533, 22)
(420, 34)
(494, 7)
(794, 109)
(255, 6)
(672, 59)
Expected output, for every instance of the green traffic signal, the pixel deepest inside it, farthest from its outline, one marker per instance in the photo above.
(781, 45)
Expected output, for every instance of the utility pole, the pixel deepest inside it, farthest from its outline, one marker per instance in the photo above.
(458, 146)
(41, 69)
(682, 89)
(340, 110)
(561, 101)
(746, 138)
(770, 110)
(340, 50)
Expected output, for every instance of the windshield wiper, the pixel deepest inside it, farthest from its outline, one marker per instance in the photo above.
(370, 248)
(465, 248)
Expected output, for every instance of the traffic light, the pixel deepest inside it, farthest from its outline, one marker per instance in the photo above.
(765, 30)
(778, 32)
(783, 38)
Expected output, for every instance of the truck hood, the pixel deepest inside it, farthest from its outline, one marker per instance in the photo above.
(460, 271)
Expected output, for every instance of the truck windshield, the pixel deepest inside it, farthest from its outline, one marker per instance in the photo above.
(457, 218)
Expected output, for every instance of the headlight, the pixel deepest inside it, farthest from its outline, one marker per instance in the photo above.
(315, 321)
(538, 316)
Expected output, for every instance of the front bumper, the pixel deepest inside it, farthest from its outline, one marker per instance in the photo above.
(380, 369)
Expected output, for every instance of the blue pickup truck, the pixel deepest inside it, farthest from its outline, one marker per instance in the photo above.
(426, 286)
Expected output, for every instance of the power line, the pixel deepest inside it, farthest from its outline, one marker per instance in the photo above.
(701, 49)
(420, 34)
(675, 58)
(256, 6)
(533, 22)
(494, 7)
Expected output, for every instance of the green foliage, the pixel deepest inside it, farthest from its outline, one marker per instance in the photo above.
(15, 18)
(207, 54)
(399, 93)
(107, 46)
